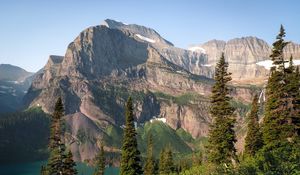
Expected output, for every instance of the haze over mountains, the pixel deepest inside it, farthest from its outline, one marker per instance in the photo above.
(14, 83)
(107, 63)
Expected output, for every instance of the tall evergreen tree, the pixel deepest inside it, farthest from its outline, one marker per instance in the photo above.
(130, 161)
(221, 137)
(162, 159)
(277, 125)
(169, 163)
(280, 154)
(100, 162)
(56, 164)
(149, 168)
(253, 140)
(69, 165)
(166, 164)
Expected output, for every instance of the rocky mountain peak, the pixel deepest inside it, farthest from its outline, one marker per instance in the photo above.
(141, 32)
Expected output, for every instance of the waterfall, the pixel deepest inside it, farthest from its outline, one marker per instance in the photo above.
(262, 96)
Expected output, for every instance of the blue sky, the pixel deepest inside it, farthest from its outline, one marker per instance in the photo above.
(32, 30)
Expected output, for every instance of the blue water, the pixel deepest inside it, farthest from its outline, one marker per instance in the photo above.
(34, 169)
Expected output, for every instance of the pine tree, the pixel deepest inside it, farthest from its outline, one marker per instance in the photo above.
(166, 164)
(69, 165)
(221, 137)
(292, 100)
(130, 161)
(169, 163)
(280, 153)
(56, 146)
(277, 126)
(149, 168)
(100, 162)
(162, 159)
(253, 140)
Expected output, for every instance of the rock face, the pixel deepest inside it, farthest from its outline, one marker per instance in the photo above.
(242, 54)
(108, 63)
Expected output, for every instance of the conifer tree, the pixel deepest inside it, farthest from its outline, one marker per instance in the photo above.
(280, 154)
(166, 164)
(57, 148)
(130, 161)
(221, 137)
(100, 162)
(169, 164)
(69, 165)
(162, 159)
(280, 92)
(253, 140)
(149, 168)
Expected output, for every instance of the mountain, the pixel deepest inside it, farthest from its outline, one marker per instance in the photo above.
(246, 57)
(105, 65)
(14, 82)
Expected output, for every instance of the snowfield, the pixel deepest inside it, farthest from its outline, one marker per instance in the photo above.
(197, 49)
(145, 38)
(267, 64)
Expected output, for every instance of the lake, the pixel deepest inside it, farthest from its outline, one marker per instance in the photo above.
(33, 168)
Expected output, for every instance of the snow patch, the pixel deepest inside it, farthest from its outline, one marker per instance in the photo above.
(145, 38)
(197, 49)
(267, 64)
(164, 120)
(207, 65)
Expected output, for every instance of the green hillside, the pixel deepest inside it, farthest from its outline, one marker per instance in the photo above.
(163, 136)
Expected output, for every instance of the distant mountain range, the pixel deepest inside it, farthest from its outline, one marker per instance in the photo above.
(14, 83)
(107, 63)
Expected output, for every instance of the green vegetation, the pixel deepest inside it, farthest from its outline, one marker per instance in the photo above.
(18, 132)
(185, 136)
(149, 165)
(273, 148)
(59, 161)
(100, 162)
(130, 160)
(166, 164)
(163, 136)
(114, 136)
(183, 99)
(240, 107)
(253, 140)
(70, 165)
(221, 150)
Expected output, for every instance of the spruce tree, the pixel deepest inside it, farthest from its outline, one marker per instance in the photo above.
(280, 154)
(130, 161)
(166, 164)
(69, 165)
(221, 137)
(277, 126)
(56, 146)
(253, 140)
(169, 163)
(149, 168)
(162, 159)
(100, 162)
